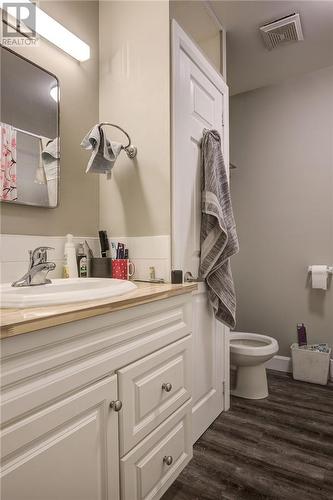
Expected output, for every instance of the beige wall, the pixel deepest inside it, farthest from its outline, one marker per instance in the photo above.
(194, 18)
(134, 93)
(282, 144)
(78, 210)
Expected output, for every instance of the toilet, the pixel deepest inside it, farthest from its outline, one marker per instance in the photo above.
(248, 354)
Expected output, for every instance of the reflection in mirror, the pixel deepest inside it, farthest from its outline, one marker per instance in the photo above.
(30, 149)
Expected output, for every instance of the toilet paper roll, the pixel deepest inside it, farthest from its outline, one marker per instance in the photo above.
(319, 277)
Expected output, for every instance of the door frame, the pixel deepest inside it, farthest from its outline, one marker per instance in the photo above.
(181, 41)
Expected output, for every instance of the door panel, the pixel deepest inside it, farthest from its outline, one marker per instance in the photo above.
(200, 100)
(203, 103)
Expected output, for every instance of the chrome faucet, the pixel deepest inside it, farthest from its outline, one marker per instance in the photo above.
(38, 268)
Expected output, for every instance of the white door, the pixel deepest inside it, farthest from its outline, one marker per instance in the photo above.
(67, 451)
(199, 100)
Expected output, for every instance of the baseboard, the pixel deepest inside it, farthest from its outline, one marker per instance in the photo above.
(283, 364)
(280, 364)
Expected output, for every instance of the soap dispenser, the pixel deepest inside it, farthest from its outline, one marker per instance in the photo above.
(70, 264)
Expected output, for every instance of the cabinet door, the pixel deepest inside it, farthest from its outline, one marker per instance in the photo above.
(67, 451)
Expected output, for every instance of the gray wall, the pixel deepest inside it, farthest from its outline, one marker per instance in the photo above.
(78, 210)
(282, 144)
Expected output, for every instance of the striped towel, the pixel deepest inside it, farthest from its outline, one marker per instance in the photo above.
(218, 231)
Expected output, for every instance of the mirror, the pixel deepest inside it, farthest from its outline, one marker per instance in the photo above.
(30, 149)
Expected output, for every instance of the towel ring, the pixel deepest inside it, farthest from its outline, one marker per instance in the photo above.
(130, 149)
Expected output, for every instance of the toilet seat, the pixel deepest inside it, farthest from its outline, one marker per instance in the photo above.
(252, 344)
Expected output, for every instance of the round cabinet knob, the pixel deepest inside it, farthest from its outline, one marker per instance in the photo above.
(167, 460)
(167, 387)
(116, 405)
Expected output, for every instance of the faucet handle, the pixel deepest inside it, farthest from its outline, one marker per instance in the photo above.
(39, 253)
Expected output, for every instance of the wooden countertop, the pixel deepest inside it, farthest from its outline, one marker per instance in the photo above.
(18, 321)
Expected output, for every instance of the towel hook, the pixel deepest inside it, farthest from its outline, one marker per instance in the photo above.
(130, 149)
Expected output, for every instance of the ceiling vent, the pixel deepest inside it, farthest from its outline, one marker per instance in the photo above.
(286, 29)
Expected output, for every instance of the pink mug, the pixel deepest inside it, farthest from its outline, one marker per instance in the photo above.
(122, 269)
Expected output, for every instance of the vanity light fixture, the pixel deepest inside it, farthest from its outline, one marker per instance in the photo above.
(48, 28)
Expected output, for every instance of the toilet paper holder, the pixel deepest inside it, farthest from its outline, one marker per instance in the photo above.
(329, 269)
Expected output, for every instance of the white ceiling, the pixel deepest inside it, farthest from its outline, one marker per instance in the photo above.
(250, 64)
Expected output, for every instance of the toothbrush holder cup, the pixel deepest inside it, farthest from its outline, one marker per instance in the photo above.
(100, 267)
(122, 269)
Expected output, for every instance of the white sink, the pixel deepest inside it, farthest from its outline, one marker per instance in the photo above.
(63, 291)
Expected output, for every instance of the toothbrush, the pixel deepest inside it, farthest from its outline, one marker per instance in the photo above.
(104, 242)
(90, 252)
(113, 250)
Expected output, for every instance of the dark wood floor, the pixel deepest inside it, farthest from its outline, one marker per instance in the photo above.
(276, 448)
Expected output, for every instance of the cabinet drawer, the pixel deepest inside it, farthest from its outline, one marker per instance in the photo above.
(145, 475)
(147, 400)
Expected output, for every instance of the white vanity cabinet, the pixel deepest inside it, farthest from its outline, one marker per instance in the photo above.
(62, 436)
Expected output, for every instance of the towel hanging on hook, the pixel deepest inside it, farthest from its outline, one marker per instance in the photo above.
(130, 149)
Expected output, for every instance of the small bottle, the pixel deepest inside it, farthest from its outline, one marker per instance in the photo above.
(82, 262)
(70, 265)
(301, 334)
(152, 274)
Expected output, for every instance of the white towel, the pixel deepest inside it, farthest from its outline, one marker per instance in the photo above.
(50, 158)
(104, 152)
(218, 231)
(40, 177)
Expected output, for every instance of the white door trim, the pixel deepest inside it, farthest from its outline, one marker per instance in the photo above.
(182, 42)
